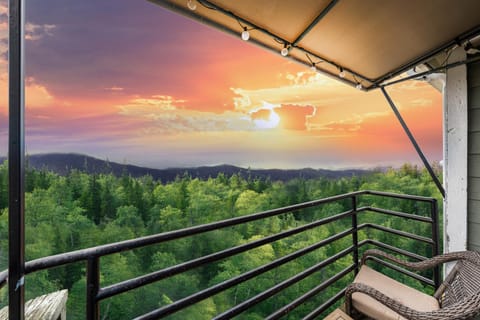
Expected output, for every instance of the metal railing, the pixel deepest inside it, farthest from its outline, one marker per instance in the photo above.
(96, 293)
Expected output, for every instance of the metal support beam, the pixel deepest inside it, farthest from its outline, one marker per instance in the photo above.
(414, 143)
(429, 72)
(16, 161)
(210, 5)
(315, 21)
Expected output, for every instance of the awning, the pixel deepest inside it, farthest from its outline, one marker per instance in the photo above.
(364, 43)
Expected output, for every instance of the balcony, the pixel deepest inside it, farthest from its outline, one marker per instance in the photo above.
(347, 225)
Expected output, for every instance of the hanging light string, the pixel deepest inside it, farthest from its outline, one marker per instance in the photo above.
(314, 64)
(192, 5)
(375, 82)
(245, 35)
(286, 45)
(358, 85)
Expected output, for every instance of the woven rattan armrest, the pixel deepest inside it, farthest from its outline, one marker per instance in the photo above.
(465, 310)
(417, 266)
(465, 306)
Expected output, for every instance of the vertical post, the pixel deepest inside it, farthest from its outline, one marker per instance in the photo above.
(93, 285)
(435, 239)
(16, 161)
(414, 143)
(355, 233)
(456, 149)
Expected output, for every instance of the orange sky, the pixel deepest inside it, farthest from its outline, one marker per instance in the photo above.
(135, 92)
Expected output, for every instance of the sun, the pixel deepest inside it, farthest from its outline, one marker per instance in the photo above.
(270, 122)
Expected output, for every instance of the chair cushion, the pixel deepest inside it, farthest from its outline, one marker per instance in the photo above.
(405, 295)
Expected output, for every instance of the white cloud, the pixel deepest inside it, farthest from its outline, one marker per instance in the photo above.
(3, 9)
(33, 32)
(305, 88)
(114, 89)
(165, 114)
(37, 95)
(153, 104)
(38, 31)
(422, 102)
(347, 125)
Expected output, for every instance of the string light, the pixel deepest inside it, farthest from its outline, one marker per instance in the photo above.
(191, 5)
(245, 34)
(313, 66)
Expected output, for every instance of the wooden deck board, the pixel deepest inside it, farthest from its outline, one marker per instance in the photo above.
(338, 314)
(50, 306)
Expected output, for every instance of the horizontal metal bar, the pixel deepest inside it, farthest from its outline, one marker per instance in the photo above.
(84, 254)
(3, 278)
(396, 214)
(201, 295)
(308, 295)
(404, 271)
(466, 36)
(392, 248)
(182, 267)
(398, 195)
(281, 286)
(426, 73)
(317, 312)
(397, 232)
(96, 252)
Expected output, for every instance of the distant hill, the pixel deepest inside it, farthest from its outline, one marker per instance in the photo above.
(62, 163)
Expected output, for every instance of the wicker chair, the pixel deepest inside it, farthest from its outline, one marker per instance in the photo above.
(379, 297)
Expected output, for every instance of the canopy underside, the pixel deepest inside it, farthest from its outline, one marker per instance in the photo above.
(372, 41)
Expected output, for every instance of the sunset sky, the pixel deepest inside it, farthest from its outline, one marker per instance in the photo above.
(134, 83)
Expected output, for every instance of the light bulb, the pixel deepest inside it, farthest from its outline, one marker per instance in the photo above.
(359, 86)
(245, 34)
(313, 67)
(341, 74)
(191, 5)
(284, 51)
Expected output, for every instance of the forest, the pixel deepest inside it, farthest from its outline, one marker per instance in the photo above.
(80, 210)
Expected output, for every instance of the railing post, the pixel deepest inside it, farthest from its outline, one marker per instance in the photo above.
(93, 285)
(355, 233)
(435, 239)
(16, 161)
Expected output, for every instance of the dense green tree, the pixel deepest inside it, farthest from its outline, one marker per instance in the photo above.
(3, 185)
(80, 210)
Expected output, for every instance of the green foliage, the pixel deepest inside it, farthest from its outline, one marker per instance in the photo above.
(66, 213)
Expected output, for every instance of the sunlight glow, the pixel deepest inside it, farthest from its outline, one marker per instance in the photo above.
(272, 121)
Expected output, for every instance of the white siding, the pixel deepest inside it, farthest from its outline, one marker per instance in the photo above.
(473, 71)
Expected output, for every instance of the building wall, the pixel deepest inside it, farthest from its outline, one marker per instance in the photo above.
(473, 75)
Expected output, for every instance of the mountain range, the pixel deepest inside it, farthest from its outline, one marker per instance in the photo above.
(63, 163)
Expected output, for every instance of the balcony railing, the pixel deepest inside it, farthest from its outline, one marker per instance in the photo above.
(354, 229)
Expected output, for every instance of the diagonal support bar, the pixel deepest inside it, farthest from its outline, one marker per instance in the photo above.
(315, 21)
(16, 161)
(414, 143)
